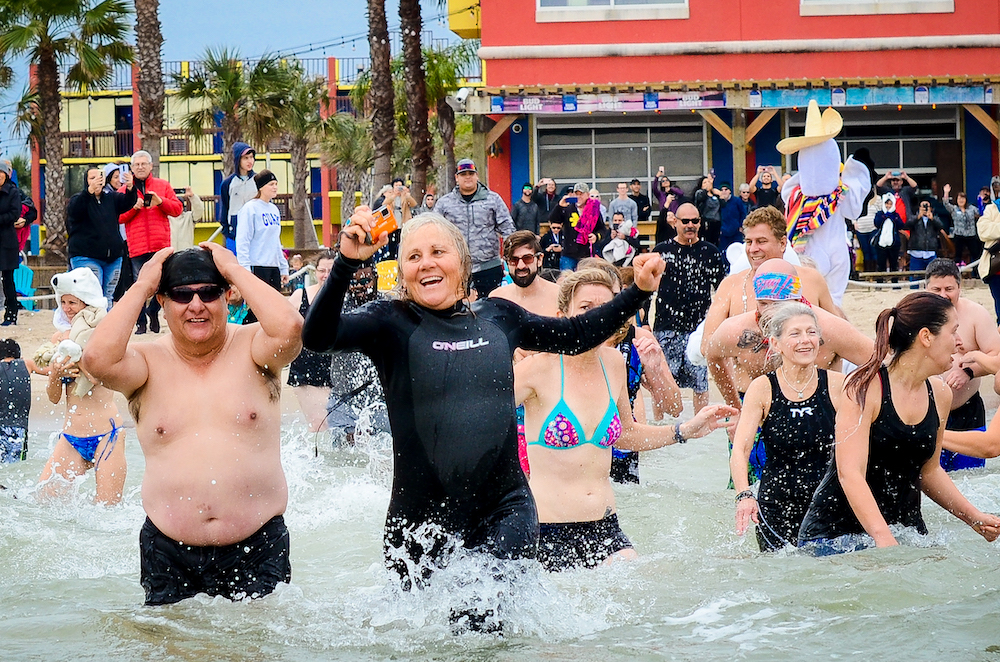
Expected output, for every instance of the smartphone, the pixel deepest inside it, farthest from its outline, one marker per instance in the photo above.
(385, 221)
(147, 199)
(572, 199)
(180, 191)
(123, 170)
(896, 173)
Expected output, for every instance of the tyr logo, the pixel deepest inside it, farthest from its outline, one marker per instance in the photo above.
(801, 412)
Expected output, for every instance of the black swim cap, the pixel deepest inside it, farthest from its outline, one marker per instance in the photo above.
(191, 266)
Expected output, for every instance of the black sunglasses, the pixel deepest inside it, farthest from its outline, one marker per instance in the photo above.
(691, 221)
(184, 295)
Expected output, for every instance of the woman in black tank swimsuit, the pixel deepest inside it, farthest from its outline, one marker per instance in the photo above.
(793, 408)
(882, 460)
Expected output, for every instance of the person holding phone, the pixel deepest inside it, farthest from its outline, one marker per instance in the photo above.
(903, 188)
(147, 226)
(95, 240)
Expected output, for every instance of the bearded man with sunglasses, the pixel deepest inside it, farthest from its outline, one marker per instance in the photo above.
(694, 270)
(523, 254)
(205, 399)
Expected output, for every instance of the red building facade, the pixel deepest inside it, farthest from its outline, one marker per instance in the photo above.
(601, 90)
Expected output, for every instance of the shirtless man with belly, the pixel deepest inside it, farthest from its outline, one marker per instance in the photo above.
(205, 399)
(979, 334)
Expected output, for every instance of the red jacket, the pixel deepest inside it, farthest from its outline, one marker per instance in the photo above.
(148, 229)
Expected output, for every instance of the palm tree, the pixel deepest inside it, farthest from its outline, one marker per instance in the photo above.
(239, 94)
(381, 98)
(148, 42)
(88, 36)
(444, 74)
(348, 147)
(300, 120)
(411, 25)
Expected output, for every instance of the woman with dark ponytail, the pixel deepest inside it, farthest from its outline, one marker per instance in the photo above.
(888, 437)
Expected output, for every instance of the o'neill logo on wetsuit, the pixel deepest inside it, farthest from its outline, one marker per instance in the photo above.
(460, 345)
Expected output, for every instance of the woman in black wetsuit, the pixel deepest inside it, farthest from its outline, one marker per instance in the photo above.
(888, 438)
(794, 408)
(445, 367)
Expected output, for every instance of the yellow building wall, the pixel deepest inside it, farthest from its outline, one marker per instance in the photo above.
(102, 115)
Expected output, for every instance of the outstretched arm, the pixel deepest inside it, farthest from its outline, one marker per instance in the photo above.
(751, 416)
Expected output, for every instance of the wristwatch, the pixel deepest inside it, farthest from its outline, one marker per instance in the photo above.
(678, 437)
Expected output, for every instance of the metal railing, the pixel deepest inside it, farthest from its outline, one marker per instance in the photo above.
(119, 144)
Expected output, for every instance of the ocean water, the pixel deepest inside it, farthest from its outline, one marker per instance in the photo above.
(69, 580)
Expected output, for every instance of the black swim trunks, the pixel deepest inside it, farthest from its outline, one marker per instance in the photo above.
(172, 571)
(580, 544)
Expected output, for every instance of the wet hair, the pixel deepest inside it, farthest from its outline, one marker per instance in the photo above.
(574, 281)
(943, 267)
(447, 227)
(518, 239)
(191, 266)
(9, 349)
(603, 265)
(783, 312)
(769, 216)
(920, 310)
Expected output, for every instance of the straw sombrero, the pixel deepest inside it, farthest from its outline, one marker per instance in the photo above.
(819, 128)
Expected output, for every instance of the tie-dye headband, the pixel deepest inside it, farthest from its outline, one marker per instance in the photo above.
(777, 287)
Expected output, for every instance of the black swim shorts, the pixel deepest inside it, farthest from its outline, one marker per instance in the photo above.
(580, 544)
(172, 571)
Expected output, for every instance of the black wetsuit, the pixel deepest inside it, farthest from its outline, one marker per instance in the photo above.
(448, 382)
(309, 368)
(625, 464)
(896, 454)
(798, 438)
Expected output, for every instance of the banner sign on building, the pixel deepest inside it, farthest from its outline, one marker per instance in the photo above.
(591, 103)
(870, 96)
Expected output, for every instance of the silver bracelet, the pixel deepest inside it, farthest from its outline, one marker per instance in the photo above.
(745, 494)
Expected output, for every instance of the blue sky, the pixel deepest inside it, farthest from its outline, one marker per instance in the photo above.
(254, 27)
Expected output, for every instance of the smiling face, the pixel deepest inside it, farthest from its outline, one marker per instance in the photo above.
(197, 321)
(762, 245)
(71, 305)
(432, 268)
(798, 340)
(141, 166)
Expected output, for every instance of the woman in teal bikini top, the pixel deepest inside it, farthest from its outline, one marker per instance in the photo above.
(562, 429)
(570, 469)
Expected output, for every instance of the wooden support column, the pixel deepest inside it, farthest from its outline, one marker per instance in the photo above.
(499, 128)
(739, 148)
(760, 122)
(984, 118)
(718, 124)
